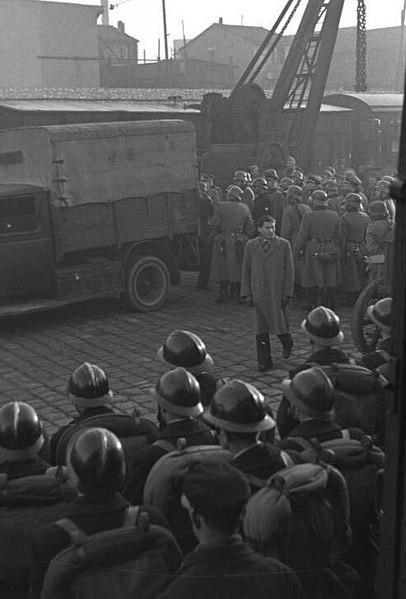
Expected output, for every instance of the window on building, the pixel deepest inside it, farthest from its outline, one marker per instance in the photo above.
(17, 215)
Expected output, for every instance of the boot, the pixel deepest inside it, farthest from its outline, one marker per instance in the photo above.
(287, 344)
(330, 298)
(222, 296)
(235, 289)
(264, 352)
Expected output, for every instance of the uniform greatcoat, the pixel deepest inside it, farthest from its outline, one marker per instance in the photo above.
(354, 225)
(291, 220)
(267, 277)
(378, 233)
(319, 227)
(232, 225)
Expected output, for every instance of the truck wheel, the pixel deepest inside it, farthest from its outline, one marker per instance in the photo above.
(147, 283)
(364, 332)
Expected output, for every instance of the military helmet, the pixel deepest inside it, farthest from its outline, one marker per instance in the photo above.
(322, 326)
(378, 208)
(330, 185)
(260, 183)
(89, 386)
(296, 174)
(319, 198)
(381, 314)
(312, 178)
(183, 348)
(20, 429)
(97, 459)
(285, 183)
(178, 392)
(238, 407)
(240, 176)
(352, 178)
(233, 192)
(294, 191)
(311, 391)
(353, 199)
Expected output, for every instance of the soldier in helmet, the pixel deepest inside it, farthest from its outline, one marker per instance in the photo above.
(267, 285)
(354, 224)
(263, 203)
(178, 399)
(312, 182)
(298, 178)
(354, 184)
(335, 199)
(322, 329)
(291, 220)
(383, 194)
(21, 441)
(232, 225)
(240, 179)
(311, 395)
(379, 232)
(380, 359)
(318, 242)
(238, 412)
(90, 393)
(97, 468)
(185, 349)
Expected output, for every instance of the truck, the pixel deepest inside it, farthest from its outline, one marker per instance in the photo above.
(97, 209)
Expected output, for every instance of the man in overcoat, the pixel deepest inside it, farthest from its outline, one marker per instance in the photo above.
(267, 284)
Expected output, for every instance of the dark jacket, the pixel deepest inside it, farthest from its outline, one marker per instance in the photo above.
(29, 467)
(92, 515)
(232, 569)
(193, 431)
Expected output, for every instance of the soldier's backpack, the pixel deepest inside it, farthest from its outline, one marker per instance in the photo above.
(163, 487)
(136, 560)
(134, 433)
(27, 504)
(362, 465)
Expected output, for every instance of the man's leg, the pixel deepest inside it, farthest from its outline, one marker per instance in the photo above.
(264, 352)
(287, 344)
(222, 296)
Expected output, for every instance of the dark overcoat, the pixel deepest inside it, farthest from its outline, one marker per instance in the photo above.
(353, 268)
(267, 276)
(318, 227)
(291, 220)
(232, 225)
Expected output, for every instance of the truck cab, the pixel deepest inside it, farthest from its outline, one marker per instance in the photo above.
(26, 244)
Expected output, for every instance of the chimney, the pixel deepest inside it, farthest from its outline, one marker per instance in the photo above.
(220, 20)
(121, 26)
(105, 14)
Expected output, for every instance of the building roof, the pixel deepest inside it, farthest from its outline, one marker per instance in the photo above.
(372, 101)
(255, 35)
(110, 33)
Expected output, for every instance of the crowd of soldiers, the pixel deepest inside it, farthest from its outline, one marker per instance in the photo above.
(338, 230)
(233, 500)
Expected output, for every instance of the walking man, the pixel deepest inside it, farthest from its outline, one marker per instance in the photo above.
(267, 284)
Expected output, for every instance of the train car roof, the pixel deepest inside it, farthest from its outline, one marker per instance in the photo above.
(370, 101)
(92, 106)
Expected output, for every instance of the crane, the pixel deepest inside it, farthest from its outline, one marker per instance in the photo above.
(284, 123)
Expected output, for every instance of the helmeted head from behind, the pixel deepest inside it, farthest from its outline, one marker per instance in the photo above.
(89, 387)
(178, 393)
(311, 394)
(21, 432)
(322, 327)
(381, 314)
(184, 348)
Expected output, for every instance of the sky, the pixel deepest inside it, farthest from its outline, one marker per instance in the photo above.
(144, 21)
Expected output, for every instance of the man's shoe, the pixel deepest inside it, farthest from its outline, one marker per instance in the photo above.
(287, 349)
(265, 367)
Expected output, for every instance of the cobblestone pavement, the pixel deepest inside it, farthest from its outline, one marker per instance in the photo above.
(38, 352)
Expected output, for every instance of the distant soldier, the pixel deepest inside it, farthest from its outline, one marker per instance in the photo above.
(206, 209)
(277, 197)
(213, 190)
(379, 233)
(232, 226)
(335, 199)
(355, 185)
(383, 194)
(263, 203)
(318, 242)
(298, 178)
(254, 171)
(354, 224)
(240, 179)
(312, 182)
(284, 184)
(380, 359)
(291, 221)
(267, 285)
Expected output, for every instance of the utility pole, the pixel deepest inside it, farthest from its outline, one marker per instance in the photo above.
(166, 44)
(401, 55)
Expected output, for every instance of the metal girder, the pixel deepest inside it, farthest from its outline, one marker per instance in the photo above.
(361, 49)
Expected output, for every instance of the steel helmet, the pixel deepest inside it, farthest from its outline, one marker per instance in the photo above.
(240, 176)
(183, 348)
(233, 192)
(312, 178)
(294, 191)
(322, 326)
(312, 392)
(352, 178)
(378, 209)
(285, 182)
(353, 199)
(260, 183)
(97, 459)
(319, 197)
(89, 387)
(178, 392)
(296, 174)
(20, 429)
(381, 314)
(239, 407)
(329, 185)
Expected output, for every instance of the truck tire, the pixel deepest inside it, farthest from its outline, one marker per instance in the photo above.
(364, 332)
(147, 283)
